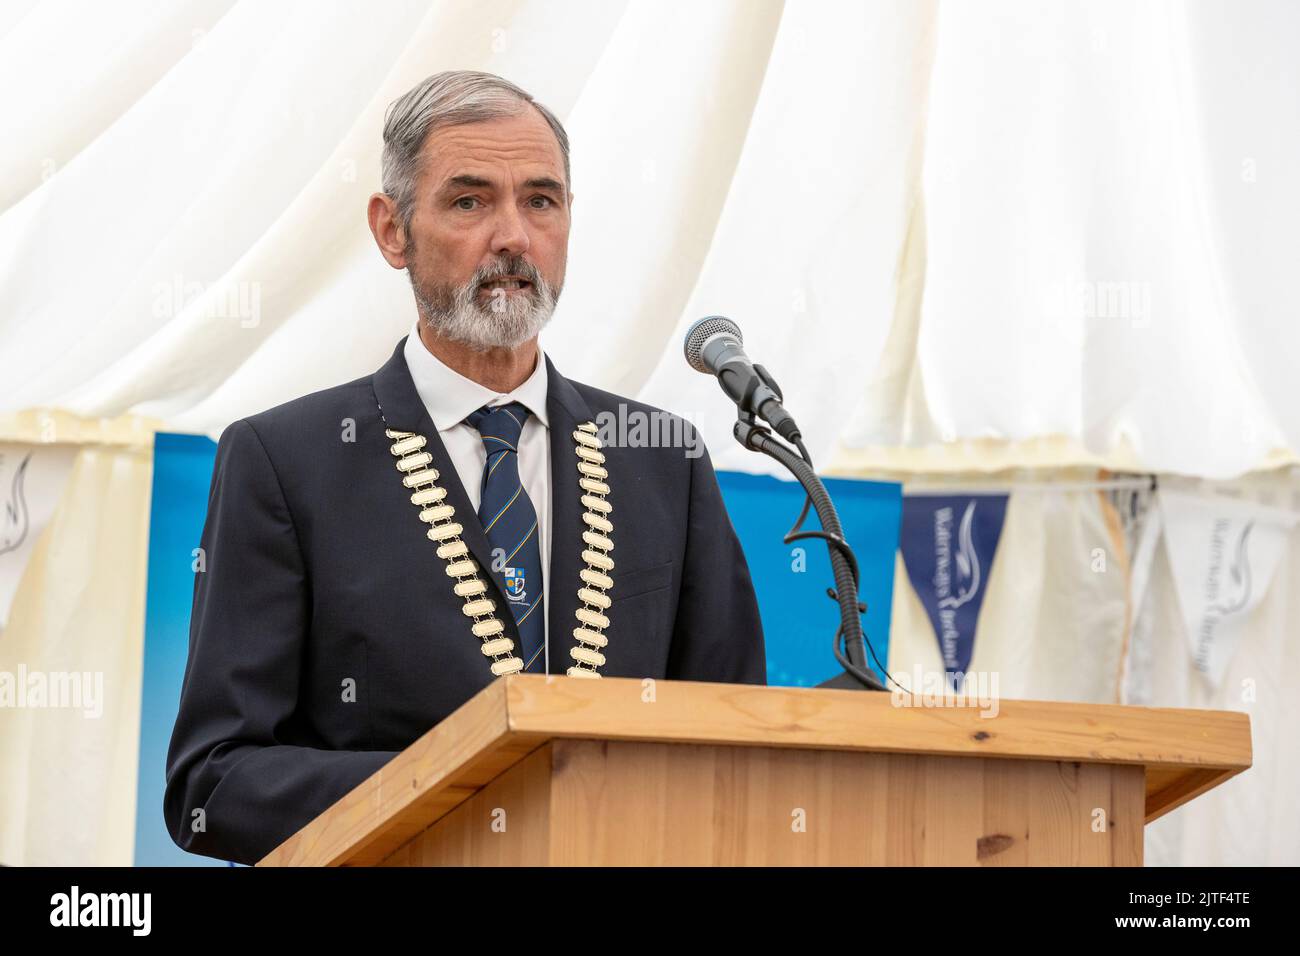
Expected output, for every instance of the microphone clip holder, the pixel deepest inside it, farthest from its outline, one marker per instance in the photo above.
(757, 437)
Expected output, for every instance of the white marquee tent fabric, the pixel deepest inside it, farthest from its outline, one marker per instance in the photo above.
(1048, 237)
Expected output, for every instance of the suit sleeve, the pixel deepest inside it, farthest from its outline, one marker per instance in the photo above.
(228, 756)
(718, 635)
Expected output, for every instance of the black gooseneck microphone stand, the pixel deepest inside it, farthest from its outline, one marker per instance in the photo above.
(757, 437)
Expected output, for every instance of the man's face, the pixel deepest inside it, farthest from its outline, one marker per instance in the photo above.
(488, 235)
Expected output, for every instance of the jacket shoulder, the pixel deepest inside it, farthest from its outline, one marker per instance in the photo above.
(329, 407)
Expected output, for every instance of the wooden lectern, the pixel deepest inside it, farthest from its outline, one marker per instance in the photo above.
(544, 770)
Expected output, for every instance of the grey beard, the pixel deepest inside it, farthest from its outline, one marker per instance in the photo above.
(506, 321)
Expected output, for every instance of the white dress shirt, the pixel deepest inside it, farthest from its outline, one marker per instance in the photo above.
(450, 397)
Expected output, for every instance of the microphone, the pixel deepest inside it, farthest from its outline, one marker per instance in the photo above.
(715, 347)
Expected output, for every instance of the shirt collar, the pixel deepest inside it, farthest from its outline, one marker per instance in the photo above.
(450, 396)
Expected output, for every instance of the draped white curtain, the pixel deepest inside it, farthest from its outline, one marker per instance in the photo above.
(1006, 221)
(964, 236)
(1102, 183)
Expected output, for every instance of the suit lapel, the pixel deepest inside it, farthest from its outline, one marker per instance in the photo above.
(565, 409)
(402, 409)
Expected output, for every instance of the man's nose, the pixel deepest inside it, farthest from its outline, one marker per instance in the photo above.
(511, 234)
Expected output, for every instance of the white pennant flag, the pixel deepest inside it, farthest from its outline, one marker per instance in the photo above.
(1222, 552)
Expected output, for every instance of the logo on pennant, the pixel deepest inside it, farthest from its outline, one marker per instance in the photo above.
(1236, 584)
(948, 543)
(953, 593)
(1223, 553)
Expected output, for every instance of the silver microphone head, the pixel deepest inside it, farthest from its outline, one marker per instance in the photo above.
(703, 330)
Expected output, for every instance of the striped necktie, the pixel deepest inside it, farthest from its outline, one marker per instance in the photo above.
(510, 522)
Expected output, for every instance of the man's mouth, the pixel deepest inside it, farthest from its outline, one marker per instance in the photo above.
(506, 284)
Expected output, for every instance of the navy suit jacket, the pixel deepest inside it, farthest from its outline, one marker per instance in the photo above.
(318, 573)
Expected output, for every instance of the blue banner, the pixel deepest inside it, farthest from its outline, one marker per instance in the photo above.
(182, 471)
(948, 543)
(799, 620)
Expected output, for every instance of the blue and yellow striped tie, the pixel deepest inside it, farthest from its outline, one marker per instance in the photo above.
(510, 523)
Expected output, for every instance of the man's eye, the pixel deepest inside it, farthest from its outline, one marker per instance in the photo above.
(545, 199)
(465, 199)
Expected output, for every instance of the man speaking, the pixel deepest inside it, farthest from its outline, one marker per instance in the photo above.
(377, 552)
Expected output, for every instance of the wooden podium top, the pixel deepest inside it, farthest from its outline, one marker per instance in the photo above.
(1185, 752)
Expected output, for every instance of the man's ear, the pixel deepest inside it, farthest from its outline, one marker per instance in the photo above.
(390, 237)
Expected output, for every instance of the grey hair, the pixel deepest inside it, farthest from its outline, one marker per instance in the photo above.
(452, 98)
